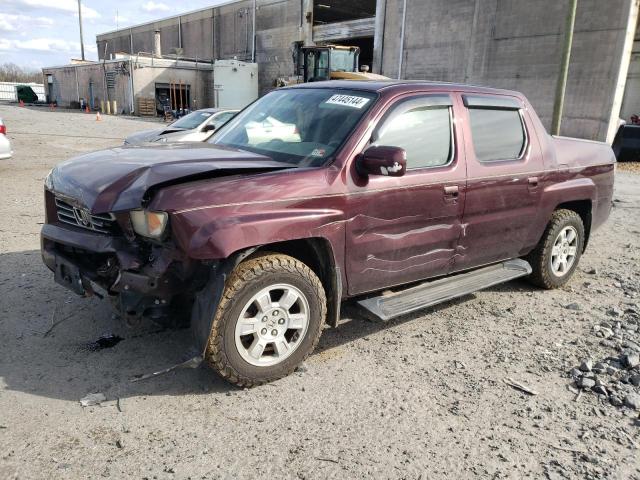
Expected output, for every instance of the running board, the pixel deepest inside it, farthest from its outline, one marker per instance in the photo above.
(386, 307)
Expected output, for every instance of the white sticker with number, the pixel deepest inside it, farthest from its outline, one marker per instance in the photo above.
(348, 101)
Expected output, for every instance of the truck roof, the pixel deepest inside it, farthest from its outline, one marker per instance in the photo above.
(403, 85)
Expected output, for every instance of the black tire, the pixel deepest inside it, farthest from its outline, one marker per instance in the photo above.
(540, 258)
(245, 281)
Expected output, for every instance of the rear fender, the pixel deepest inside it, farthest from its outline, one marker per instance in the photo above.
(574, 190)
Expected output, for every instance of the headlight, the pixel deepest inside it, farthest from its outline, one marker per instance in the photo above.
(149, 224)
(48, 181)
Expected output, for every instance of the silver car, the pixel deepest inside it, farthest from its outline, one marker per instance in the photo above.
(197, 126)
(5, 144)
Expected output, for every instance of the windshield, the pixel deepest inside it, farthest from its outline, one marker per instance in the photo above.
(191, 121)
(300, 126)
(343, 60)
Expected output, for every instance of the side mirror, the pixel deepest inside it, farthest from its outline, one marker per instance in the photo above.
(381, 160)
(209, 127)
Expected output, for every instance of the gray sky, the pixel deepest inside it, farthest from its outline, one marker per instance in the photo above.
(38, 33)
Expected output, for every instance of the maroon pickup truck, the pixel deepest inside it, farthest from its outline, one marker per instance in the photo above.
(319, 193)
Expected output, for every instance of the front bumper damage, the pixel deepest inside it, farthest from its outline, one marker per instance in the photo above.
(141, 282)
(141, 279)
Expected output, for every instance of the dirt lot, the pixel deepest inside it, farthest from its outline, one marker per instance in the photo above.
(420, 397)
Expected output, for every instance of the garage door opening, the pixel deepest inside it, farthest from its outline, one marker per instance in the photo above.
(173, 98)
(332, 11)
(349, 24)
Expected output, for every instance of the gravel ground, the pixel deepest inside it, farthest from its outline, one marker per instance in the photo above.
(420, 397)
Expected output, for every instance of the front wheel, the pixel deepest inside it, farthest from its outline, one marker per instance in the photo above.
(556, 257)
(269, 320)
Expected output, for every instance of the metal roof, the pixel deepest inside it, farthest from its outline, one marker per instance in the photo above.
(151, 22)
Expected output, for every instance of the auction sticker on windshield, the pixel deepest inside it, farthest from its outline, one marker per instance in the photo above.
(348, 101)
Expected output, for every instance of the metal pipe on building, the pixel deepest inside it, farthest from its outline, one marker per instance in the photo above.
(253, 44)
(77, 85)
(404, 22)
(561, 87)
(132, 104)
(157, 46)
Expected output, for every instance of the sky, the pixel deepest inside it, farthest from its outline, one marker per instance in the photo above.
(39, 33)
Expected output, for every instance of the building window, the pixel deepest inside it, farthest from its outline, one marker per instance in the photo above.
(497, 134)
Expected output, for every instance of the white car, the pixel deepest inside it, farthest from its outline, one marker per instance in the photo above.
(270, 130)
(197, 126)
(5, 144)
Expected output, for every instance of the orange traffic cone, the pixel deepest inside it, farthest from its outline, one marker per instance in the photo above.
(98, 118)
(87, 109)
(22, 103)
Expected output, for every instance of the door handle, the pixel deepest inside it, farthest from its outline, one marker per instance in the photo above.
(451, 191)
(533, 181)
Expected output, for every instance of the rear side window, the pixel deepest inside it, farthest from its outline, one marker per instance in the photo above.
(497, 134)
(422, 127)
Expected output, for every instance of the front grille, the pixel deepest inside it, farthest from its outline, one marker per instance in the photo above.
(82, 218)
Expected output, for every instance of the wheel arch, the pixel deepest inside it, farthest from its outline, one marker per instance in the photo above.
(317, 253)
(584, 208)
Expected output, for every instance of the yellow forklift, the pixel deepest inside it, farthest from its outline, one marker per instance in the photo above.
(330, 62)
(334, 62)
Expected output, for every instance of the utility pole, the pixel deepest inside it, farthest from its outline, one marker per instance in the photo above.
(561, 87)
(80, 21)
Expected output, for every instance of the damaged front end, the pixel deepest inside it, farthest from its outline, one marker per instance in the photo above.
(102, 255)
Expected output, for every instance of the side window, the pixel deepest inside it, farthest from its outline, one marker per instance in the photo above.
(497, 134)
(423, 128)
(221, 119)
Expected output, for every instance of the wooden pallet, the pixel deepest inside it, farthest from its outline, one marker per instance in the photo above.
(146, 107)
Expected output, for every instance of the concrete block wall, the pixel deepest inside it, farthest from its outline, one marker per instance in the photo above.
(222, 32)
(631, 101)
(515, 44)
(73, 82)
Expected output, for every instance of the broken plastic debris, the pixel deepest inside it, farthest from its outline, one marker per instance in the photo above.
(193, 362)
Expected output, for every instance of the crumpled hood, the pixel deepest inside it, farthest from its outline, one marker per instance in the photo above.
(117, 179)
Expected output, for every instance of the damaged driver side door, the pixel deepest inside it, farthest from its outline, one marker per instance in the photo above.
(405, 229)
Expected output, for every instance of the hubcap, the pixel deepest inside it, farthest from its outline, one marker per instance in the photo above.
(563, 253)
(272, 325)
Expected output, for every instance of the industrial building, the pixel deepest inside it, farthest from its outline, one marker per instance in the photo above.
(514, 44)
(145, 83)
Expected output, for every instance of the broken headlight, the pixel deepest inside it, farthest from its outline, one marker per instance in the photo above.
(149, 224)
(48, 181)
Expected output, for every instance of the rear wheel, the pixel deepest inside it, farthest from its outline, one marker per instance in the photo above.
(556, 257)
(268, 321)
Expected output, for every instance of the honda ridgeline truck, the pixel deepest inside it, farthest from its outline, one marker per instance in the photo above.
(319, 193)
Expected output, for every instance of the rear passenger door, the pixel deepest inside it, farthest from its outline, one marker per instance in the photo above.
(406, 228)
(505, 166)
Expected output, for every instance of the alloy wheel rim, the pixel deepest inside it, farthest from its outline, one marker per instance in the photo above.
(564, 251)
(272, 325)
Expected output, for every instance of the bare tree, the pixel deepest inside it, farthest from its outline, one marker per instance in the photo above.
(10, 72)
